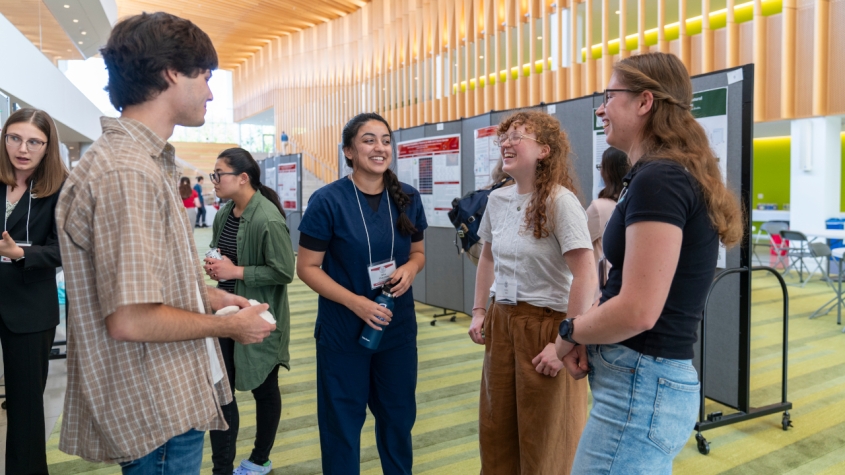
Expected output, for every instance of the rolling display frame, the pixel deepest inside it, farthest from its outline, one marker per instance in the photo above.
(745, 411)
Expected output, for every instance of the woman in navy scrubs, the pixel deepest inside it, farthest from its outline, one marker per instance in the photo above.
(352, 225)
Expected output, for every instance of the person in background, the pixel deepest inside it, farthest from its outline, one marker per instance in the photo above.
(200, 205)
(145, 373)
(365, 220)
(190, 198)
(257, 264)
(614, 167)
(284, 140)
(663, 242)
(31, 175)
(537, 263)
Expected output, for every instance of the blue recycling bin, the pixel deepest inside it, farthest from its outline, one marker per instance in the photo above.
(835, 223)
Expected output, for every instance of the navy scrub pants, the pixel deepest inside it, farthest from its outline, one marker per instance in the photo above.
(346, 384)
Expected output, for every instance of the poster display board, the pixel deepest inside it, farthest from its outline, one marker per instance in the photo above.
(288, 186)
(486, 155)
(432, 166)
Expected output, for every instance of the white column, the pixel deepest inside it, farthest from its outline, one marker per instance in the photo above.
(815, 167)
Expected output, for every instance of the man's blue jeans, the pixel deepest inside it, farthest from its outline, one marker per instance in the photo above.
(181, 455)
(644, 411)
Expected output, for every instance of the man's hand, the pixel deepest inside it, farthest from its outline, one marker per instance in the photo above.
(577, 362)
(547, 361)
(221, 299)
(248, 327)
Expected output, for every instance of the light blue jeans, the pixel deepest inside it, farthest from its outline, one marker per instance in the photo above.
(181, 455)
(644, 411)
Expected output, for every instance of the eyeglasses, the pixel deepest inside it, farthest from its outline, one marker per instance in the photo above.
(32, 145)
(215, 177)
(514, 138)
(614, 90)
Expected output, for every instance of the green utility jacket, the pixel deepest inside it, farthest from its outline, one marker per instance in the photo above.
(266, 254)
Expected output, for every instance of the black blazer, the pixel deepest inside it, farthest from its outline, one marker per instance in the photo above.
(29, 300)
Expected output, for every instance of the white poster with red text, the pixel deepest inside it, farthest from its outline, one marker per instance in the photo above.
(288, 186)
(433, 167)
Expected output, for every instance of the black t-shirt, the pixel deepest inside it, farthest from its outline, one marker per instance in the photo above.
(664, 191)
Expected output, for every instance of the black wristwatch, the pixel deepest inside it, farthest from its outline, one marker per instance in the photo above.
(565, 330)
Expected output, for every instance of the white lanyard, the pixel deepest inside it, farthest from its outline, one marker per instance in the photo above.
(516, 240)
(389, 212)
(28, 211)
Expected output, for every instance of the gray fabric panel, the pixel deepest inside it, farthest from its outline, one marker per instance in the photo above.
(725, 323)
(575, 118)
(467, 185)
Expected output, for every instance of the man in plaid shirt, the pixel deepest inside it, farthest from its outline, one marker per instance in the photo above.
(144, 374)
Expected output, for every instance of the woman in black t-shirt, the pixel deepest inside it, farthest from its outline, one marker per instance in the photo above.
(662, 241)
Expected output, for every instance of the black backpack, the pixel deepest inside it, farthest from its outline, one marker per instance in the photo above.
(466, 215)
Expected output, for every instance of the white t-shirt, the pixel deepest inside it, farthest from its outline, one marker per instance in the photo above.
(542, 276)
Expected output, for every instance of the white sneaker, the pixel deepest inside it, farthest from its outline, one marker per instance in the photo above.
(248, 468)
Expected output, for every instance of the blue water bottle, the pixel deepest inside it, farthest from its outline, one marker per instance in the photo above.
(370, 338)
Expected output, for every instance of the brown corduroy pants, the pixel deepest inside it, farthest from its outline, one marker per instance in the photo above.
(529, 423)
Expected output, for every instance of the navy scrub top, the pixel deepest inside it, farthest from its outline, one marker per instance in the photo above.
(333, 215)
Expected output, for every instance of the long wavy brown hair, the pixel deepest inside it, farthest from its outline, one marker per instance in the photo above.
(552, 171)
(672, 133)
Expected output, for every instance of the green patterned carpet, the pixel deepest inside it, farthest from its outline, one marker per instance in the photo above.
(445, 435)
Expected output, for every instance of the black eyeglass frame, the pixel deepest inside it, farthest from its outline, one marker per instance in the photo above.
(604, 95)
(215, 177)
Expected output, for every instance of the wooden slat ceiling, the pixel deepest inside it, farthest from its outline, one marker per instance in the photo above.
(239, 28)
(34, 20)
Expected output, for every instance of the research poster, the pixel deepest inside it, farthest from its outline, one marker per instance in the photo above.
(288, 186)
(710, 109)
(486, 155)
(599, 146)
(270, 176)
(432, 166)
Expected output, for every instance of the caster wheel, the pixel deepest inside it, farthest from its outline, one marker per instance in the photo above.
(452, 319)
(3, 405)
(786, 422)
(433, 322)
(703, 445)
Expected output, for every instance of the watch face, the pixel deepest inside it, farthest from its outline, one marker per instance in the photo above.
(563, 330)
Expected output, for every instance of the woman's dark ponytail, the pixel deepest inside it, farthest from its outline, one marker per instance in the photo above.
(241, 161)
(391, 182)
(401, 200)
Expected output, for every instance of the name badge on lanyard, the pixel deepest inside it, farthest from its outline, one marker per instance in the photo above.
(27, 243)
(506, 286)
(379, 272)
(6, 260)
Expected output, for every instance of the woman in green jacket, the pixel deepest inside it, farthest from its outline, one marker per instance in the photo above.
(257, 263)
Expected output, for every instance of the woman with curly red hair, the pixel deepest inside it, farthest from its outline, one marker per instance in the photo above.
(537, 264)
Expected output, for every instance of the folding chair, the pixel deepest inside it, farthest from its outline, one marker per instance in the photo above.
(772, 230)
(801, 248)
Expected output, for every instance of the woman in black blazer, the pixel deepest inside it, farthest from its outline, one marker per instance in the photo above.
(31, 176)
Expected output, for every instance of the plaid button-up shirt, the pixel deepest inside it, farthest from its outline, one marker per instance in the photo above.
(125, 239)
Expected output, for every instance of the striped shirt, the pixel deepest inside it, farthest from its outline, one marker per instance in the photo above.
(228, 245)
(125, 239)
